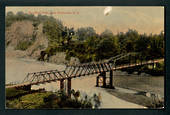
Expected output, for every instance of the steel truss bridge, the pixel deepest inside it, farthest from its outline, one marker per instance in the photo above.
(73, 71)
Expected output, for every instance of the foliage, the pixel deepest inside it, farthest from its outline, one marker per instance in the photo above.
(20, 16)
(12, 92)
(84, 33)
(53, 32)
(29, 101)
(23, 45)
(87, 45)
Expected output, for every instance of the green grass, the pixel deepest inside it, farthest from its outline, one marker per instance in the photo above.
(12, 92)
(50, 100)
(29, 101)
(33, 101)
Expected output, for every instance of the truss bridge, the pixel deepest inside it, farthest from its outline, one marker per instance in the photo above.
(119, 62)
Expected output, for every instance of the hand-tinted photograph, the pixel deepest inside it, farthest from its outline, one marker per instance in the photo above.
(77, 57)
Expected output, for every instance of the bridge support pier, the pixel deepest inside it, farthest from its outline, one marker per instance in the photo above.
(104, 79)
(69, 87)
(111, 79)
(97, 81)
(153, 65)
(62, 84)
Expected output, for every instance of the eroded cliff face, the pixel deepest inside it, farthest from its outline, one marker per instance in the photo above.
(23, 31)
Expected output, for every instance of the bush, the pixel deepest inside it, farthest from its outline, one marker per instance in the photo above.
(50, 100)
(23, 45)
(61, 100)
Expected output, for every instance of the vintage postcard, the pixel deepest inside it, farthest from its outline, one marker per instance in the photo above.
(79, 57)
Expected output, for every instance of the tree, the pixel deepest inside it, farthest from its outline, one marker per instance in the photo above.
(106, 34)
(83, 33)
(53, 30)
(106, 48)
(10, 14)
(156, 49)
(128, 40)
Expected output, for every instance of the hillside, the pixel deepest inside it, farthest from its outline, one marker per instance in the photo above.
(22, 31)
(18, 37)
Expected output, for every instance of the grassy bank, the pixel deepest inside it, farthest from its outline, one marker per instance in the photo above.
(49, 100)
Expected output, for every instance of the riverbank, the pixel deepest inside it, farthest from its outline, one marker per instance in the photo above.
(137, 97)
(142, 89)
(143, 82)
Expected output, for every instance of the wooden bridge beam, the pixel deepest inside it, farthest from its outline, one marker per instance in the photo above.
(89, 69)
(74, 68)
(107, 69)
(82, 68)
(98, 67)
(85, 71)
(101, 65)
(95, 67)
(76, 73)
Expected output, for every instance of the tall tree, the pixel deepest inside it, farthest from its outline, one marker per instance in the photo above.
(84, 33)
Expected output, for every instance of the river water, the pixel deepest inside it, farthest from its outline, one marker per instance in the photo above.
(17, 69)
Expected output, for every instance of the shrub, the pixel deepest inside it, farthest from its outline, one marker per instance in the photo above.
(45, 100)
(23, 45)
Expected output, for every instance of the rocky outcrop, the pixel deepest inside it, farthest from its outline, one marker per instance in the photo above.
(23, 31)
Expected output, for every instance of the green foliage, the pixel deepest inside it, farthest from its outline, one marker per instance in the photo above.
(11, 17)
(20, 16)
(53, 32)
(84, 33)
(23, 45)
(29, 101)
(106, 48)
(52, 100)
(12, 92)
(85, 44)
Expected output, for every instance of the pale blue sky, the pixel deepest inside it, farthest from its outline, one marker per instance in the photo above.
(143, 19)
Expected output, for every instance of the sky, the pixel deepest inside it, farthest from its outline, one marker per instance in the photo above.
(143, 19)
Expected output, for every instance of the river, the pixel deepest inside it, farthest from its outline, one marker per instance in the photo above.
(17, 69)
